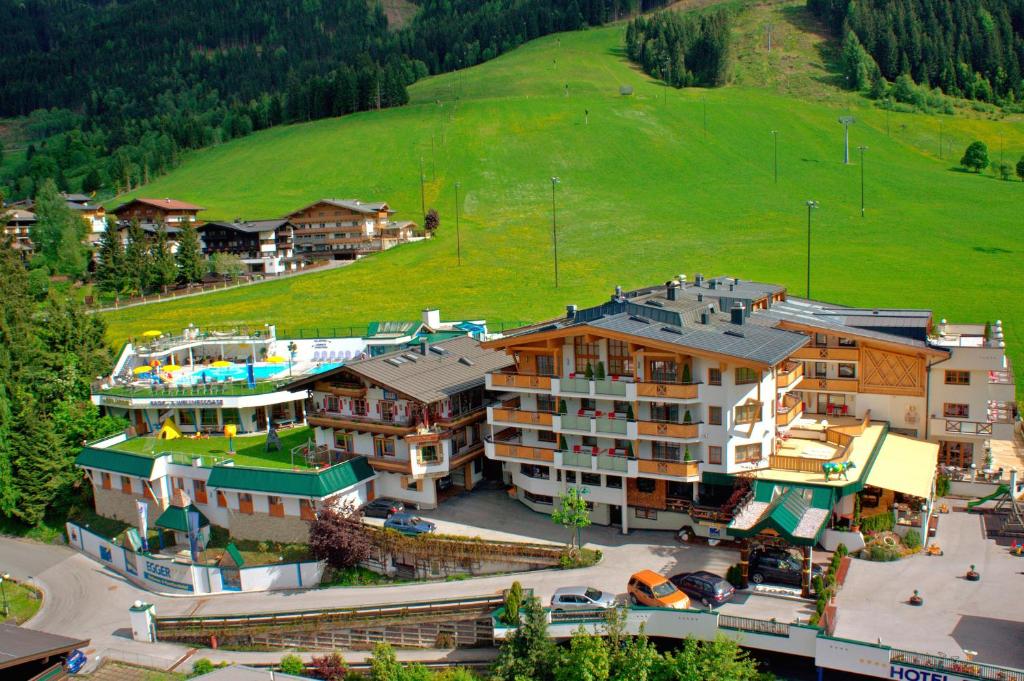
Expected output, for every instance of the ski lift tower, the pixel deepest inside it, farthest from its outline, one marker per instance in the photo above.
(847, 121)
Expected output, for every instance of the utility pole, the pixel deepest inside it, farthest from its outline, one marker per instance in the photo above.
(811, 205)
(705, 102)
(423, 196)
(775, 137)
(846, 121)
(888, 105)
(458, 233)
(554, 226)
(769, 29)
(862, 150)
(433, 160)
(940, 138)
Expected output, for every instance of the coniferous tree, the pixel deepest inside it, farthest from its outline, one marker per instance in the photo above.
(136, 260)
(189, 256)
(58, 233)
(163, 269)
(92, 182)
(110, 260)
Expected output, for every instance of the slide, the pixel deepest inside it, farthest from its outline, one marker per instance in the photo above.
(1000, 491)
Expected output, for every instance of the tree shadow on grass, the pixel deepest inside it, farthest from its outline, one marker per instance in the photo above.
(828, 49)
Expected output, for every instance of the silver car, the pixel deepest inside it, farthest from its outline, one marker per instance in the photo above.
(581, 598)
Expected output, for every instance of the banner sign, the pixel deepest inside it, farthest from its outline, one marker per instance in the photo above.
(109, 401)
(168, 574)
(193, 535)
(142, 508)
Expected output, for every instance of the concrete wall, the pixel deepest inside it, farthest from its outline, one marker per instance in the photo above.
(831, 539)
(264, 527)
(113, 503)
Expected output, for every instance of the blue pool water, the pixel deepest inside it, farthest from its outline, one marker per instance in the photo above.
(326, 367)
(232, 373)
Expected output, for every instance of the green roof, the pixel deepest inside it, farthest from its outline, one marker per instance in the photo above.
(794, 509)
(115, 461)
(295, 483)
(392, 329)
(176, 518)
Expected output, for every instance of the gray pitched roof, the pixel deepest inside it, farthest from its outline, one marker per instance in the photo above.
(853, 321)
(248, 226)
(354, 205)
(238, 672)
(19, 645)
(433, 376)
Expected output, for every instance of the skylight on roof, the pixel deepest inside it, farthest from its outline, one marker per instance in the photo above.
(394, 361)
(409, 356)
(440, 351)
(467, 362)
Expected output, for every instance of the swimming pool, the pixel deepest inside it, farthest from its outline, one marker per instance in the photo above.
(237, 372)
(326, 367)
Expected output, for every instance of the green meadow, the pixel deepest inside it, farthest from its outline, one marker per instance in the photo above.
(654, 184)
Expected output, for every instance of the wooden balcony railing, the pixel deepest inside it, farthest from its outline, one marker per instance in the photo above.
(512, 450)
(666, 429)
(847, 385)
(789, 375)
(800, 464)
(822, 354)
(681, 469)
(513, 380)
(358, 423)
(678, 391)
(790, 411)
(535, 418)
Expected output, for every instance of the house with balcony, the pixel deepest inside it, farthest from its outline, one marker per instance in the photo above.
(346, 229)
(151, 213)
(18, 228)
(415, 414)
(259, 494)
(265, 246)
(94, 214)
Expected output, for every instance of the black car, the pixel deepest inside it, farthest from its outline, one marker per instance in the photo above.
(383, 507)
(777, 566)
(704, 587)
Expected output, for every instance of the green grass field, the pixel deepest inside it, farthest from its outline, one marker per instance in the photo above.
(645, 192)
(249, 449)
(22, 602)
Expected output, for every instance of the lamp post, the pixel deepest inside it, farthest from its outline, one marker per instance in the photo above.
(846, 121)
(811, 205)
(862, 150)
(554, 225)
(458, 233)
(704, 100)
(775, 137)
(292, 348)
(3, 578)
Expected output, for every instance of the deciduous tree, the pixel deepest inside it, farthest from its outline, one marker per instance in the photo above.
(975, 157)
(573, 514)
(58, 233)
(338, 537)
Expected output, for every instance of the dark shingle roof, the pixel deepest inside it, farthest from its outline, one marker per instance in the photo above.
(434, 376)
(248, 226)
(19, 645)
(316, 484)
(852, 321)
(117, 462)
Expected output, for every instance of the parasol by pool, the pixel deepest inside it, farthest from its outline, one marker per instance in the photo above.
(220, 364)
(142, 370)
(152, 333)
(170, 367)
(276, 359)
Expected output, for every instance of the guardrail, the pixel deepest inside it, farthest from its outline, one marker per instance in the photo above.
(753, 625)
(953, 665)
(206, 625)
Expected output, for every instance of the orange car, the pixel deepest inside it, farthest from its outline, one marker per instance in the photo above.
(655, 591)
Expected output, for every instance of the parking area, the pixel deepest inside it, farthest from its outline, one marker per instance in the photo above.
(957, 614)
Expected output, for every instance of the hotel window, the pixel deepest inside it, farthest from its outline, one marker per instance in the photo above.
(645, 513)
(186, 417)
(663, 451)
(208, 417)
(847, 343)
(747, 453)
(586, 353)
(126, 484)
(714, 377)
(536, 472)
(359, 407)
(745, 375)
(619, 361)
(105, 480)
(343, 441)
(663, 371)
(460, 438)
(545, 365)
(178, 483)
(820, 370)
(547, 403)
(588, 404)
(668, 413)
(960, 454)
(956, 411)
(748, 413)
(383, 446)
(387, 411)
(231, 416)
(276, 506)
(199, 491)
(546, 436)
(847, 370)
(570, 476)
(958, 377)
(646, 485)
(592, 479)
(331, 404)
(428, 454)
(821, 340)
(714, 454)
(222, 499)
(306, 511)
(538, 498)
(613, 482)
(714, 416)
(245, 503)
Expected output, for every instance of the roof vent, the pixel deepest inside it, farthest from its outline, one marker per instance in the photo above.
(642, 320)
(704, 317)
(570, 312)
(698, 279)
(409, 356)
(682, 279)
(655, 303)
(737, 313)
(467, 362)
(670, 290)
(618, 292)
(733, 332)
(439, 351)
(700, 297)
(732, 286)
(711, 308)
(670, 329)
(712, 284)
(394, 361)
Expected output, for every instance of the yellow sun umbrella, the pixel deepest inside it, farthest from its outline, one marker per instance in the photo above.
(276, 359)
(170, 367)
(152, 333)
(220, 363)
(142, 370)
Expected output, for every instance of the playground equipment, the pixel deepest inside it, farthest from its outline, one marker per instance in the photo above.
(933, 550)
(1008, 503)
(230, 430)
(169, 431)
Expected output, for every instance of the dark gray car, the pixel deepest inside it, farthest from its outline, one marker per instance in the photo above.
(383, 507)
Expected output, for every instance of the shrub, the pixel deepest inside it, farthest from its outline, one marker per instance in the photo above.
(339, 538)
(734, 575)
(292, 664)
(513, 600)
(942, 483)
(912, 540)
(883, 553)
(883, 522)
(330, 667)
(599, 375)
(842, 550)
(589, 372)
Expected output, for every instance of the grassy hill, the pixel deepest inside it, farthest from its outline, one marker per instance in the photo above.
(645, 192)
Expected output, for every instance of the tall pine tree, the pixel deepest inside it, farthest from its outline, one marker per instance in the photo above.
(163, 269)
(110, 260)
(189, 256)
(136, 260)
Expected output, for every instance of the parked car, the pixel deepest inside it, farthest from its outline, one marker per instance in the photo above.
(581, 598)
(407, 523)
(76, 659)
(656, 591)
(704, 587)
(777, 566)
(444, 483)
(383, 507)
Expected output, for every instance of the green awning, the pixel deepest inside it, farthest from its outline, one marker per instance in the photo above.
(176, 518)
(117, 462)
(316, 484)
(798, 514)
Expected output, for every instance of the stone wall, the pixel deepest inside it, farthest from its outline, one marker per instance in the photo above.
(113, 503)
(265, 527)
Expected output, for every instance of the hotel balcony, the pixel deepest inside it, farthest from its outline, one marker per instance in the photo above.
(359, 424)
(687, 471)
(832, 385)
(789, 411)
(510, 380)
(831, 353)
(513, 450)
(952, 426)
(667, 430)
(789, 376)
(619, 461)
(506, 416)
(617, 388)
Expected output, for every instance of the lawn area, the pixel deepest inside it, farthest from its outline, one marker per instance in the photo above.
(23, 602)
(646, 191)
(249, 449)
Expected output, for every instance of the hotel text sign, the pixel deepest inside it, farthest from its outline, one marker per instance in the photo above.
(902, 673)
(185, 402)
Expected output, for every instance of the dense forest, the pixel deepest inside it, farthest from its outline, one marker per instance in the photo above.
(682, 49)
(114, 91)
(967, 48)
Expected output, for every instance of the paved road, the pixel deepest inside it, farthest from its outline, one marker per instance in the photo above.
(982, 616)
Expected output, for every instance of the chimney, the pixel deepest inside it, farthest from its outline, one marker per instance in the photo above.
(704, 317)
(432, 318)
(737, 314)
(670, 290)
(700, 297)
(731, 286)
(682, 279)
(617, 296)
(570, 312)
(712, 284)
(424, 347)
(698, 280)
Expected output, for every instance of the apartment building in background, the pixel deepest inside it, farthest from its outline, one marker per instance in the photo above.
(346, 229)
(265, 246)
